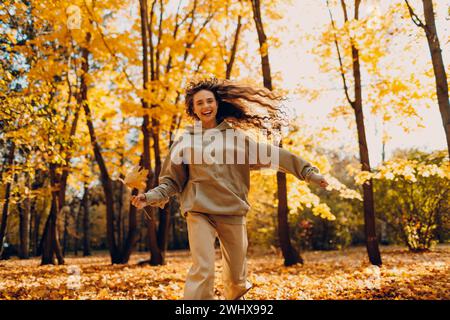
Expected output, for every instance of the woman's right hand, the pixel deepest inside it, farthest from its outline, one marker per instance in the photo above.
(139, 201)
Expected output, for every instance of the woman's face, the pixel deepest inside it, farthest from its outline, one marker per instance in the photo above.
(205, 107)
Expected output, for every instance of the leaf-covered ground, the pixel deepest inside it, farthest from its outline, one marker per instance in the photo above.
(325, 275)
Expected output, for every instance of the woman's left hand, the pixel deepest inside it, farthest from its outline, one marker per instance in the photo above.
(319, 180)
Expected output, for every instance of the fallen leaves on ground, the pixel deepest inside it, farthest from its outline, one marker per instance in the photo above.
(325, 275)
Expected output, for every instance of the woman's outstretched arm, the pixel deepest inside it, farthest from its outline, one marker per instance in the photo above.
(172, 178)
(271, 156)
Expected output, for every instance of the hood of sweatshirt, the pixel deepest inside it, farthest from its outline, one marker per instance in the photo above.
(197, 128)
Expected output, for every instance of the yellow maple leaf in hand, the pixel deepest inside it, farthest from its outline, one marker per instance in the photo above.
(136, 178)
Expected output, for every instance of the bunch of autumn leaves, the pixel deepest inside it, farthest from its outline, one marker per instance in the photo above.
(135, 178)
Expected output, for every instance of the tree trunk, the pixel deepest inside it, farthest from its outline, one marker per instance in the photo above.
(66, 232)
(65, 169)
(24, 228)
(155, 252)
(369, 210)
(35, 236)
(77, 220)
(156, 257)
(438, 67)
(357, 105)
(290, 254)
(142, 234)
(41, 216)
(39, 182)
(164, 214)
(175, 236)
(4, 220)
(33, 215)
(157, 234)
(164, 228)
(50, 239)
(25, 221)
(120, 218)
(86, 233)
(131, 241)
(104, 175)
(47, 240)
(230, 62)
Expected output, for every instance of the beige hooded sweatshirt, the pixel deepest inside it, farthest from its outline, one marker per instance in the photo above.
(210, 169)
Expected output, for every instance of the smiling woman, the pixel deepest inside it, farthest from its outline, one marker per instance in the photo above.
(214, 195)
(205, 108)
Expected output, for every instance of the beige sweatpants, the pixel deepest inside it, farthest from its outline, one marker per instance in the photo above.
(202, 232)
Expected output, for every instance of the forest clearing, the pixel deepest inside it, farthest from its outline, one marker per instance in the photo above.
(325, 275)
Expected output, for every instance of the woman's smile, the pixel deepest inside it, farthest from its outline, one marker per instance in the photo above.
(207, 113)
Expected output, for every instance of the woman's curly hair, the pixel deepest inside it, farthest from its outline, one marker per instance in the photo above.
(242, 105)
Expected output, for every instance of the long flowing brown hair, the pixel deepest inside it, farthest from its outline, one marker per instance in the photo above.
(240, 104)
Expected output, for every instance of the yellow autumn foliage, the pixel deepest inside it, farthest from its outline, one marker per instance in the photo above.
(407, 169)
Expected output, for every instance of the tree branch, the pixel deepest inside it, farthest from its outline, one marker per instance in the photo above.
(106, 44)
(414, 17)
(344, 80)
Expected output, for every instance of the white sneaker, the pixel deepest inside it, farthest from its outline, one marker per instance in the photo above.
(241, 296)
